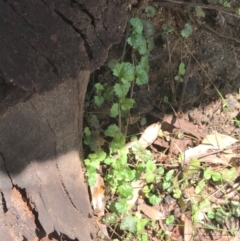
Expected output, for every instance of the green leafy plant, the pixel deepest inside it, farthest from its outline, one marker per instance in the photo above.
(120, 173)
(181, 72)
(187, 30)
(225, 3)
(199, 12)
(121, 167)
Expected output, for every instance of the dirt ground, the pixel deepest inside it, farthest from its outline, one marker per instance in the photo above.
(211, 98)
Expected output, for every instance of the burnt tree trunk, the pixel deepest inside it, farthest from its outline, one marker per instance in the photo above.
(48, 50)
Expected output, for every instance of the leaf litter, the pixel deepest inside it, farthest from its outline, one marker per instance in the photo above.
(214, 149)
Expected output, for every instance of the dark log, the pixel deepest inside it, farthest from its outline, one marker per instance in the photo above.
(48, 50)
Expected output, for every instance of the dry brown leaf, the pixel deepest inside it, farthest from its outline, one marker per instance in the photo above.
(149, 135)
(196, 152)
(188, 228)
(151, 212)
(176, 233)
(183, 125)
(215, 160)
(97, 193)
(211, 143)
(219, 141)
(137, 186)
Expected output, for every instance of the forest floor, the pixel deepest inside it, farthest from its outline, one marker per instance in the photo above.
(202, 105)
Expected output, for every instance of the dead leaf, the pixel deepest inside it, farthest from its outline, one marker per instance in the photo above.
(175, 232)
(149, 135)
(183, 125)
(188, 228)
(137, 186)
(215, 160)
(151, 212)
(219, 141)
(211, 143)
(176, 146)
(97, 193)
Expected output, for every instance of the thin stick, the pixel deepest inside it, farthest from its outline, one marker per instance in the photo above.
(185, 81)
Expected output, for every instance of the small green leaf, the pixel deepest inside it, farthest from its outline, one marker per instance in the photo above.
(138, 42)
(221, 215)
(229, 175)
(150, 11)
(101, 155)
(137, 25)
(109, 160)
(199, 12)
(109, 94)
(194, 166)
(216, 176)
(114, 110)
(181, 68)
(166, 185)
(146, 190)
(235, 208)
(135, 40)
(118, 142)
(121, 89)
(154, 199)
(187, 30)
(87, 132)
(112, 63)
(141, 76)
(160, 170)
(121, 206)
(227, 4)
(148, 28)
(141, 223)
(143, 121)
(177, 193)
(98, 100)
(211, 214)
(126, 104)
(207, 174)
(169, 175)
(125, 71)
(110, 218)
(144, 63)
(200, 187)
(128, 224)
(99, 88)
(142, 47)
(169, 219)
(92, 180)
(150, 166)
(93, 121)
(167, 28)
(165, 98)
(122, 160)
(112, 130)
(150, 177)
(125, 190)
(150, 44)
